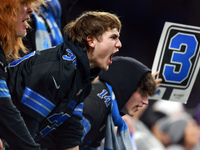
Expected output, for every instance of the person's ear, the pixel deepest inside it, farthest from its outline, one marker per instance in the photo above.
(91, 41)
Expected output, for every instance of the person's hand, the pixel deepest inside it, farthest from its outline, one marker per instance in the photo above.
(159, 80)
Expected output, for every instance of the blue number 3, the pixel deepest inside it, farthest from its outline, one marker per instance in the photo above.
(181, 58)
(70, 56)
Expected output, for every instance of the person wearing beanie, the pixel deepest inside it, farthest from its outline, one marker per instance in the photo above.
(150, 118)
(158, 110)
(182, 131)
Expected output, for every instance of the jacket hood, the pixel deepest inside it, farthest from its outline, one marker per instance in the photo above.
(81, 55)
(124, 75)
(82, 59)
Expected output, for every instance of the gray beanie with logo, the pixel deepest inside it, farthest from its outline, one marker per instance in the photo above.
(174, 126)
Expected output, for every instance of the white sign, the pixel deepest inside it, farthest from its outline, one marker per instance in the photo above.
(177, 60)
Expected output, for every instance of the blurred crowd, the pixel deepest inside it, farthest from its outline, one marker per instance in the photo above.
(165, 125)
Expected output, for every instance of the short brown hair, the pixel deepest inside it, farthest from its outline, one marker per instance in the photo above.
(147, 85)
(93, 23)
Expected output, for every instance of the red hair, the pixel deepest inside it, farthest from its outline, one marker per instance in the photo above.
(8, 15)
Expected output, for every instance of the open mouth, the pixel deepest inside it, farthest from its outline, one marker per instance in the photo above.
(25, 22)
(116, 52)
(112, 56)
(26, 19)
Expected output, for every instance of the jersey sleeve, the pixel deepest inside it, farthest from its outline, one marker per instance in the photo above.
(13, 128)
(67, 135)
(71, 133)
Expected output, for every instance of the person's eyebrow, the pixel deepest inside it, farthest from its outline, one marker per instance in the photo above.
(115, 35)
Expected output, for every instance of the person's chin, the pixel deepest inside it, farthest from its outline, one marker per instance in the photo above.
(21, 34)
(105, 68)
(132, 114)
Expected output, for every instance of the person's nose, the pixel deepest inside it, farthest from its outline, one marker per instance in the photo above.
(118, 44)
(29, 10)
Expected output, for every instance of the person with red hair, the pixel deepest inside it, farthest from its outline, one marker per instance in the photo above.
(14, 15)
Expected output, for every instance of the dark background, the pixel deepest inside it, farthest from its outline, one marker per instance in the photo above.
(142, 24)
